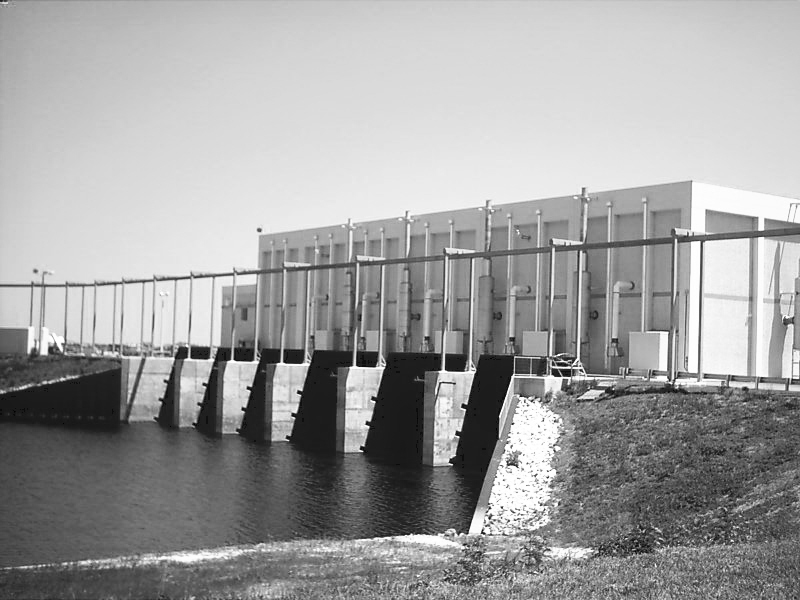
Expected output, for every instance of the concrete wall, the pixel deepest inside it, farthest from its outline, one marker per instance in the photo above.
(356, 388)
(238, 376)
(748, 285)
(445, 393)
(283, 382)
(17, 341)
(194, 374)
(143, 382)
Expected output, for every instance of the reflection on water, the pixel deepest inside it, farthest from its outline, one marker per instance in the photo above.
(68, 494)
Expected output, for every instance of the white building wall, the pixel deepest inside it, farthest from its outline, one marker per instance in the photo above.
(245, 315)
(683, 204)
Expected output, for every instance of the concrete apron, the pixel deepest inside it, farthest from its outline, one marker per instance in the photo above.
(446, 395)
(355, 396)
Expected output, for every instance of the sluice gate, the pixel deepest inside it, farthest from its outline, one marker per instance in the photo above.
(315, 420)
(481, 428)
(396, 428)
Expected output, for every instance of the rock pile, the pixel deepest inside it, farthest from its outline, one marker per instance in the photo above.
(523, 483)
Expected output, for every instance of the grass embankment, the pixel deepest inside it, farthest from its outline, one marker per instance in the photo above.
(22, 372)
(686, 496)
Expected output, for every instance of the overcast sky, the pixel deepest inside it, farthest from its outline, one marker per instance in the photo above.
(154, 137)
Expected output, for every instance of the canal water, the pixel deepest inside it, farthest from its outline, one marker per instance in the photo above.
(70, 494)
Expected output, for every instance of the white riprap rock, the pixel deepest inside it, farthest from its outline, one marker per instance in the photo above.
(523, 483)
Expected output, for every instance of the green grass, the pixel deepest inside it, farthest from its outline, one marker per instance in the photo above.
(17, 372)
(386, 569)
(702, 468)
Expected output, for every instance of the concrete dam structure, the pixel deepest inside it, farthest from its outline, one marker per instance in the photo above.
(407, 412)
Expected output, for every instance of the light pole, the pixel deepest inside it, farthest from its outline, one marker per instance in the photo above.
(44, 272)
(163, 295)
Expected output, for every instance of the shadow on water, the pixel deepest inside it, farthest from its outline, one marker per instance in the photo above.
(71, 493)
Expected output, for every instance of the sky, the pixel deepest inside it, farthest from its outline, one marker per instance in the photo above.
(155, 137)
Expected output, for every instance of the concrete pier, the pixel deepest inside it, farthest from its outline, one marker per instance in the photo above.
(397, 425)
(194, 375)
(283, 381)
(356, 390)
(237, 379)
(315, 420)
(143, 383)
(446, 393)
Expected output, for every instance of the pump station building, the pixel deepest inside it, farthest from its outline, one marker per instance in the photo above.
(719, 306)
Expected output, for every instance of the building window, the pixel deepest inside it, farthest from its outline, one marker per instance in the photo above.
(244, 314)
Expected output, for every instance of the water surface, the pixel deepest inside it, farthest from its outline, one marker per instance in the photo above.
(68, 493)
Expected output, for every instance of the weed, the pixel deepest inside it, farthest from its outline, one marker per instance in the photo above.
(642, 538)
(472, 566)
(512, 460)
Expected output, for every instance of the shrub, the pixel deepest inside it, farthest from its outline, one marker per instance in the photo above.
(474, 567)
(471, 567)
(642, 538)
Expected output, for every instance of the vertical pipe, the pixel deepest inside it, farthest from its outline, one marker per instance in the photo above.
(537, 325)
(700, 306)
(271, 300)
(382, 302)
(141, 324)
(452, 305)
(189, 323)
(445, 306)
(354, 320)
(211, 326)
(257, 324)
(673, 313)
(579, 312)
(470, 366)
(94, 318)
(509, 279)
(233, 317)
(609, 278)
(551, 303)
(30, 321)
(312, 332)
(113, 319)
(66, 314)
(307, 317)
(152, 322)
(426, 273)
(283, 311)
(381, 310)
(42, 293)
(366, 252)
(122, 318)
(645, 288)
(487, 236)
(174, 314)
(404, 291)
(83, 310)
(331, 302)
